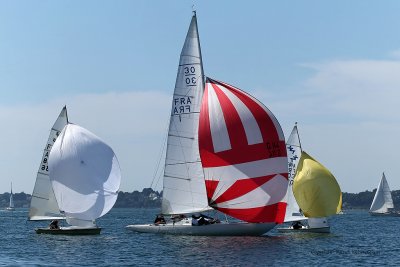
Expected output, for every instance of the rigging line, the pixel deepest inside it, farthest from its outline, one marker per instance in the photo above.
(179, 163)
(298, 136)
(186, 95)
(181, 136)
(176, 177)
(190, 64)
(163, 145)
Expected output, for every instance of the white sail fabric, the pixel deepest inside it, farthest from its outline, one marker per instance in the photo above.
(43, 202)
(383, 198)
(11, 206)
(293, 148)
(183, 188)
(84, 173)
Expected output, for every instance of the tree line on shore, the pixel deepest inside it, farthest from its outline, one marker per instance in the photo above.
(148, 198)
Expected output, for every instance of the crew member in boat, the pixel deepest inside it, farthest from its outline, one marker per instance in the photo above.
(54, 225)
(159, 220)
(297, 225)
(178, 218)
(203, 220)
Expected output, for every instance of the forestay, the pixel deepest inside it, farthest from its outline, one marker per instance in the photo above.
(383, 198)
(84, 173)
(43, 202)
(183, 185)
(242, 149)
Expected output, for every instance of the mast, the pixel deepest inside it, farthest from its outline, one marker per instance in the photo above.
(198, 43)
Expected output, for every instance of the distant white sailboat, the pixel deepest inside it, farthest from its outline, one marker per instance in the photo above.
(225, 151)
(11, 205)
(382, 204)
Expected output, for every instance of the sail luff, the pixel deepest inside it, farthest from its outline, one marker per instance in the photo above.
(200, 55)
(183, 184)
(43, 204)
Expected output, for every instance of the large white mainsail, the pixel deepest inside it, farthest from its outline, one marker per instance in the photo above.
(293, 147)
(85, 175)
(43, 202)
(383, 201)
(183, 188)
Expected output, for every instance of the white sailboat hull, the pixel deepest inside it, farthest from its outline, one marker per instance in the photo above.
(217, 229)
(305, 229)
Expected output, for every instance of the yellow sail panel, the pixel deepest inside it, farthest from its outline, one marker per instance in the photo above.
(315, 188)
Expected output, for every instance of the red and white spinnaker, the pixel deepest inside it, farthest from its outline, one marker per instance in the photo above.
(243, 154)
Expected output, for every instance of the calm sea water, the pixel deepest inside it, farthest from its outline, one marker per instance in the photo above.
(356, 239)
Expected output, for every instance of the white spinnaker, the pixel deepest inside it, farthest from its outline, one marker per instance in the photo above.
(293, 149)
(43, 202)
(383, 198)
(84, 173)
(183, 185)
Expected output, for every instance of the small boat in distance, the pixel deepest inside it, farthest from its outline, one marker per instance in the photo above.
(11, 205)
(382, 204)
(225, 152)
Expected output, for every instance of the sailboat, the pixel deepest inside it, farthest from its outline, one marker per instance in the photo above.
(11, 205)
(85, 178)
(382, 205)
(315, 190)
(225, 152)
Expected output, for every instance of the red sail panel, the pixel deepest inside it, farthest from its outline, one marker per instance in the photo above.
(243, 153)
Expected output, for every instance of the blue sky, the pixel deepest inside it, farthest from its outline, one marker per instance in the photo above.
(331, 66)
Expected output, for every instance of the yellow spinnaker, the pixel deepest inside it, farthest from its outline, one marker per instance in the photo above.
(315, 188)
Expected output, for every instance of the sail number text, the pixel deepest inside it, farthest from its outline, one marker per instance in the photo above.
(44, 165)
(190, 75)
(273, 149)
(183, 104)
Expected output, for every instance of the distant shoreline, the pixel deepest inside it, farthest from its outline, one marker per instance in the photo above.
(149, 198)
